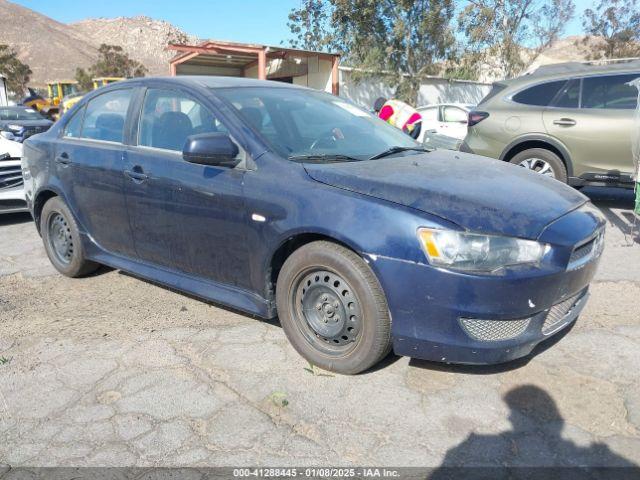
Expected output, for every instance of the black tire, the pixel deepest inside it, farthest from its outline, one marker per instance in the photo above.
(553, 160)
(333, 276)
(60, 233)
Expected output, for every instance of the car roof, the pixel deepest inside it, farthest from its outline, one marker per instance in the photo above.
(209, 82)
(561, 71)
(450, 104)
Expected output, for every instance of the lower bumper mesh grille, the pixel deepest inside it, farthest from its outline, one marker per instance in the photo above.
(559, 312)
(494, 330)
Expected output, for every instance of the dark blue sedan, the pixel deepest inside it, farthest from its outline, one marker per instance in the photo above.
(282, 201)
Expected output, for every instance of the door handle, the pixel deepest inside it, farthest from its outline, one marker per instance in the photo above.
(63, 159)
(565, 122)
(137, 177)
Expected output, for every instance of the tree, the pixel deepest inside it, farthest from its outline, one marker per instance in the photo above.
(84, 79)
(401, 40)
(617, 22)
(506, 35)
(16, 72)
(310, 26)
(112, 62)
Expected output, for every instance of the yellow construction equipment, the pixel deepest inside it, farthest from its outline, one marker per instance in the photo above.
(56, 92)
(70, 101)
(103, 81)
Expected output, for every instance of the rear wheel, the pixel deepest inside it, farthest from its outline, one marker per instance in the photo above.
(542, 161)
(62, 240)
(332, 308)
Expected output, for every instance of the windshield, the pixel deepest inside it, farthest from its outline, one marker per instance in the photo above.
(19, 114)
(69, 89)
(302, 123)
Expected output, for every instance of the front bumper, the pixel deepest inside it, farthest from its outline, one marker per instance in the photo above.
(435, 324)
(12, 198)
(456, 317)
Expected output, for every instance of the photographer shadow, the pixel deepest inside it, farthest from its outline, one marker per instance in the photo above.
(534, 441)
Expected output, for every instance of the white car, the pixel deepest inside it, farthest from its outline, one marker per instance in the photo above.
(11, 184)
(449, 119)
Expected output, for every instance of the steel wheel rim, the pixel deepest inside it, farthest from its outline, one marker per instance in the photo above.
(327, 310)
(60, 239)
(539, 166)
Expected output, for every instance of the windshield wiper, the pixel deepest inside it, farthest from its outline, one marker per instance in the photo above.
(323, 158)
(397, 149)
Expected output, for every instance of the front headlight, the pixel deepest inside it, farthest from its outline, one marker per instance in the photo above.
(478, 253)
(14, 128)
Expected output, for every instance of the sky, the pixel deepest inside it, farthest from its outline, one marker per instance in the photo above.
(250, 21)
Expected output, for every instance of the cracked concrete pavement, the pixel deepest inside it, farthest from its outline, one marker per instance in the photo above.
(111, 370)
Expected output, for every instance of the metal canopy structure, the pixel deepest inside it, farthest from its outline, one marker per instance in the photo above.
(257, 61)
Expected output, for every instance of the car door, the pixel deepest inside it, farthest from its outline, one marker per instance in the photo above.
(89, 159)
(593, 118)
(187, 217)
(454, 122)
(430, 121)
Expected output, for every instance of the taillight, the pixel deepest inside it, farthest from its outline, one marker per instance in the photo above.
(476, 117)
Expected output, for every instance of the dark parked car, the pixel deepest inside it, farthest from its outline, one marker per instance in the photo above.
(19, 123)
(279, 200)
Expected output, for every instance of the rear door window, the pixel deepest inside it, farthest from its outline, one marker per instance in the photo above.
(454, 114)
(429, 114)
(105, 116)
(569, 96)
(539, 95)
(609, 92)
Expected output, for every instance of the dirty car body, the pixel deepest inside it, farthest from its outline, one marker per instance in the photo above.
(224, 232)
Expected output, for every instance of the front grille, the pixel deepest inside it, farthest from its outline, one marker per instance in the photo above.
(30, 131)
(582, 254)
(10, 176)
(494, 330)
(559, 312)
(582, 251)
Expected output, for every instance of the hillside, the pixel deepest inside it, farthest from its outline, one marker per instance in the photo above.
(48, 47)
(143, 38)
(53, 50)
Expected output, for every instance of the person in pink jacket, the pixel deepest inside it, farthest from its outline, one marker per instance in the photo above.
(400, 115)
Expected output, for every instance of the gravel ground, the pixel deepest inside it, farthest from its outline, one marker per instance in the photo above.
(111, 370)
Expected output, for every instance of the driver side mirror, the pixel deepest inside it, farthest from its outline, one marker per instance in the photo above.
(215, 149)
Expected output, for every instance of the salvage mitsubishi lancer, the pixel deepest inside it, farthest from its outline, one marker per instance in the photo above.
(278, 200)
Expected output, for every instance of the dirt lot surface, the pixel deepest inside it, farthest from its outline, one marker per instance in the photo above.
(111, 370)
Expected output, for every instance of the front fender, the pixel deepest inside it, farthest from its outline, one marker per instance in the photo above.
(367, 225)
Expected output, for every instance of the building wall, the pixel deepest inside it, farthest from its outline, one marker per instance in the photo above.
(3, 93)
(251, 72)
(318, 76)
(433, 90)
(363, 93)
(189, 69)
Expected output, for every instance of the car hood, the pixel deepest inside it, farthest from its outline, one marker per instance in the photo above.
(28, 123)
(477, 193)
(14, 149)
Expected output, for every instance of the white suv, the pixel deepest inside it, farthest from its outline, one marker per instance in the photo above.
(11, 183)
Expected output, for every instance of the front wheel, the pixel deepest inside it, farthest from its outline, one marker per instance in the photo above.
(332, 308)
